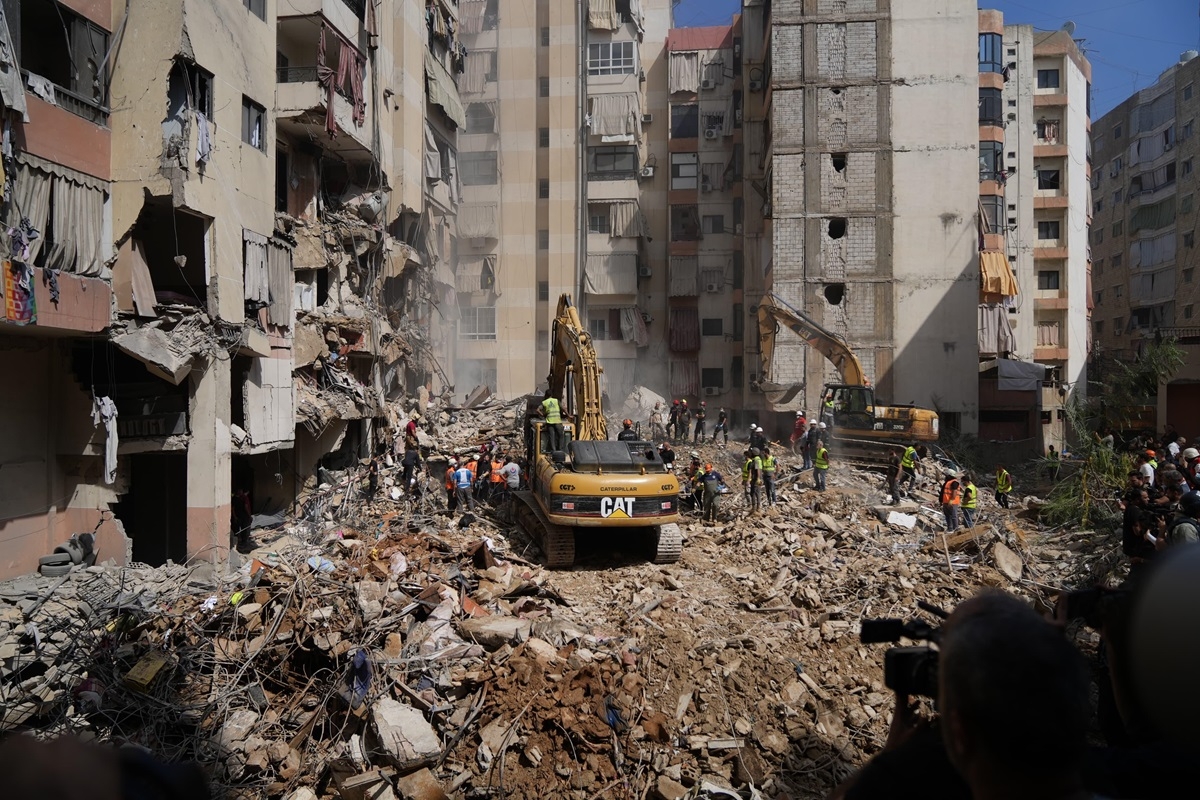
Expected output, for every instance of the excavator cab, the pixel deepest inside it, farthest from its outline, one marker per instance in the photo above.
(853, 406)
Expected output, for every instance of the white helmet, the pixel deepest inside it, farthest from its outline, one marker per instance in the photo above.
(799, 413)
(821, 426)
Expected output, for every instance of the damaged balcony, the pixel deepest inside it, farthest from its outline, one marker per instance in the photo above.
(322, 87)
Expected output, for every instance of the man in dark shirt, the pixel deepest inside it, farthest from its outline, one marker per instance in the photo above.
(722, 425)
(667, 455)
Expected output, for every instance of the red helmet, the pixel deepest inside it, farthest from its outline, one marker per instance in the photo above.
(675, 403)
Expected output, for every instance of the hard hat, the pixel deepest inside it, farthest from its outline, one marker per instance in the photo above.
(694, 455)
(475, 457)
(627, 422)
(675, 403)
(454, 462)
(684, 401)
(1150, 453)
(821, 425)
(415, 416)
(703, 403)
(799, 413)
(753, 451)
(1191, 452)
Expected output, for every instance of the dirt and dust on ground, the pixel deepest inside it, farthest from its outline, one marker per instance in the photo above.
(376, 647)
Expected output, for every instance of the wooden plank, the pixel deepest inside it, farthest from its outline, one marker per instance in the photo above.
(143, 285)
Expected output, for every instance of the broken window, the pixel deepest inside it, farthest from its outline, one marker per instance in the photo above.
(254, 124)
(481, 118)
(66, 50)
(991, 161)
(175, 245)
(712, 326)
(192, 85)
(712, 377)
(478, 169)
(1049, 179)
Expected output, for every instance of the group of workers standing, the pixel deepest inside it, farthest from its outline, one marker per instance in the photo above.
(958, 496)
(677, 424)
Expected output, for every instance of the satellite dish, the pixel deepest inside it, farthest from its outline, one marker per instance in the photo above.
(1069, 27)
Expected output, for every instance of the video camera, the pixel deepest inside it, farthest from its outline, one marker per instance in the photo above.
(907, 670)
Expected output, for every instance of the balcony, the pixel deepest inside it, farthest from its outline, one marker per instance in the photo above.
(346, 16)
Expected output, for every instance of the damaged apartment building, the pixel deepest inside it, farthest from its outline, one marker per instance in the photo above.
(222, 258)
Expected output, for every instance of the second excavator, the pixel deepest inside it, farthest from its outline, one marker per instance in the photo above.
(586, 484)
(858, 428)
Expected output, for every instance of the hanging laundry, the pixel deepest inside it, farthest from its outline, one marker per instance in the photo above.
(50, 281)
(105, 411)
(43, 88)
(20, 305)
(203, 140)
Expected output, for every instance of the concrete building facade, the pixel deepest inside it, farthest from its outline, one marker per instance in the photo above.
(1035, 212)
(1144, 234)
(847, 118)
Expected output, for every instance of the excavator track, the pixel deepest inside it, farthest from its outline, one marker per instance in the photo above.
(557, 541)
(668, 543)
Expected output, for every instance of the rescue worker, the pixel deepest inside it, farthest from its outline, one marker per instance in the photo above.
(894, 471)
(410, 431)
(951, 499)
(820, 462)
(827, 409)
(694, 467)
(701, 416)
(711, 481)
(757, 439)
(1004, 486)
(1053, 462)
(691, 497)
(627, 433)
(412, 459)
(673, 421)
(751, 470)
(810, 444)
(552, 411)
(451, 495)
(769, 465)
(799, 430)
(483, 475)
(667, 455)
(908, 463)
(722, 426)
(970, 500)
(496, 479)
(656, 423)
(683, 422)
(464, 479)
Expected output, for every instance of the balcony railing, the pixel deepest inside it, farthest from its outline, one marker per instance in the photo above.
(304, 75)
(77, 104)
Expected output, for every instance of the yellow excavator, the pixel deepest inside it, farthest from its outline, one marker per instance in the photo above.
(591, 484)
(857, 427)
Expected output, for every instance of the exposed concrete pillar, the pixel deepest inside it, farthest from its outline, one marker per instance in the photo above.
(208, 461)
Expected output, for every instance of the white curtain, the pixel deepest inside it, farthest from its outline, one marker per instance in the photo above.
(78, 219)
(602, 14)
(633, 327)
(996, 335)
(470, 16)
(32, 194)
(625, 219)
(611, 273)
(257, 277)
(684, 277)
(473, 79)
(1047, 334)
(715, 71)
(616, 115)
(469, 276)
(477, 221)
(685, 72)
(433, 155)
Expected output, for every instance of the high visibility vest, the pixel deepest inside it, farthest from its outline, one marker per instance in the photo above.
(951, 493)
(909, 460)
(472, 467)
(1003, 482)
(553, 412)
(496, 476)
(970, 497)
(821, 459)
(768, 463)
(449, 478)
(1153, 463)
(751, 468)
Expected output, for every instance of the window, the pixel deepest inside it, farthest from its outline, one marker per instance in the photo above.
(685, 121)
(991, 48)
(598, 223)
(543, 188)
(477, 322)
(1048, 179)
(598, 327)
(480, 118)
(991, 161)
(1098, 235)
(713, 223)
(1118, 290)
(993, 212)
(543, 87)
(712, 377)
(1189, 239)
(1098, 327)
(683, 170)
(1116, 260)
(254, 124)
(1188, 274)
(543, 137)
(1048, 229)
(739, 325)
(1187, 92)
(543, 291)
(1185, 204)
(1186, 167)
(1116, 197)
(189, 86)
(736, 372)
(739, 270)
(490, 72)
(612, 162)
(685, 224)
(1187, 312)
(1047, 130)
(1118, 326)
(1098, 206)
(611, 58)
(491, 15)
(257, 7)
(1048, 279)
(1099, 297)
(1118, 227)
(1117, 131)
(1047, 79)
(543, 239)
(545, 37)
(991, 109)
(478, 169)
(712, 327)
(1114, 169)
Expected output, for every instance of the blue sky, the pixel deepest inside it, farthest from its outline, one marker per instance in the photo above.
(1129, 42)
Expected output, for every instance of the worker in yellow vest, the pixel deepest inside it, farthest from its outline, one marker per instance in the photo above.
(820, 465)
(970, 500)
(1004, 486)
(751, 471)
(552, 412)
(908, 465)
(769, 465)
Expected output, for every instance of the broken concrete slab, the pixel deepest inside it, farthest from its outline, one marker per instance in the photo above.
(495, 632)
(237, 727)
(407, 740)
(420, 785)
(153, 348)
(1007, 561)
(829, 523)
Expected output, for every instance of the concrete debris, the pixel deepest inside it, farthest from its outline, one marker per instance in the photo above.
(1007, 561)
(406, 739)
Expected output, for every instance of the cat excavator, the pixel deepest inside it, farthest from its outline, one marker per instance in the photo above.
(592, 485)
(857, 428)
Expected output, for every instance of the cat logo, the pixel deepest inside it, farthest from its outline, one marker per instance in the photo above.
(616, 507)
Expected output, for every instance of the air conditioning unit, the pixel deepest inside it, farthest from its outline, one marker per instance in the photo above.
(737, 229)
(647, 171)
(644, 271)
(756, 86)
(711, 133)
(707, 84)
(647, 119)
(711, 390)
(712, 288)
(705, 186)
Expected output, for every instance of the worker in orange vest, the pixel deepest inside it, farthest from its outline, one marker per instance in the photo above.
(451, 496)
(951, 499)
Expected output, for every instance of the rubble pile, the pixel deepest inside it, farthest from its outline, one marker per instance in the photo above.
(414, 656)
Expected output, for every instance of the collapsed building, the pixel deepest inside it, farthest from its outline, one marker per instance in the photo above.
(224, 272)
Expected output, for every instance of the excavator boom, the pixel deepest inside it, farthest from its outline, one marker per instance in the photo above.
(773, 313)
(575, 373)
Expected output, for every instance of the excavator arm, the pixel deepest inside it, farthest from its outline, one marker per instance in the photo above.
(773, 313)
(575, 373)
